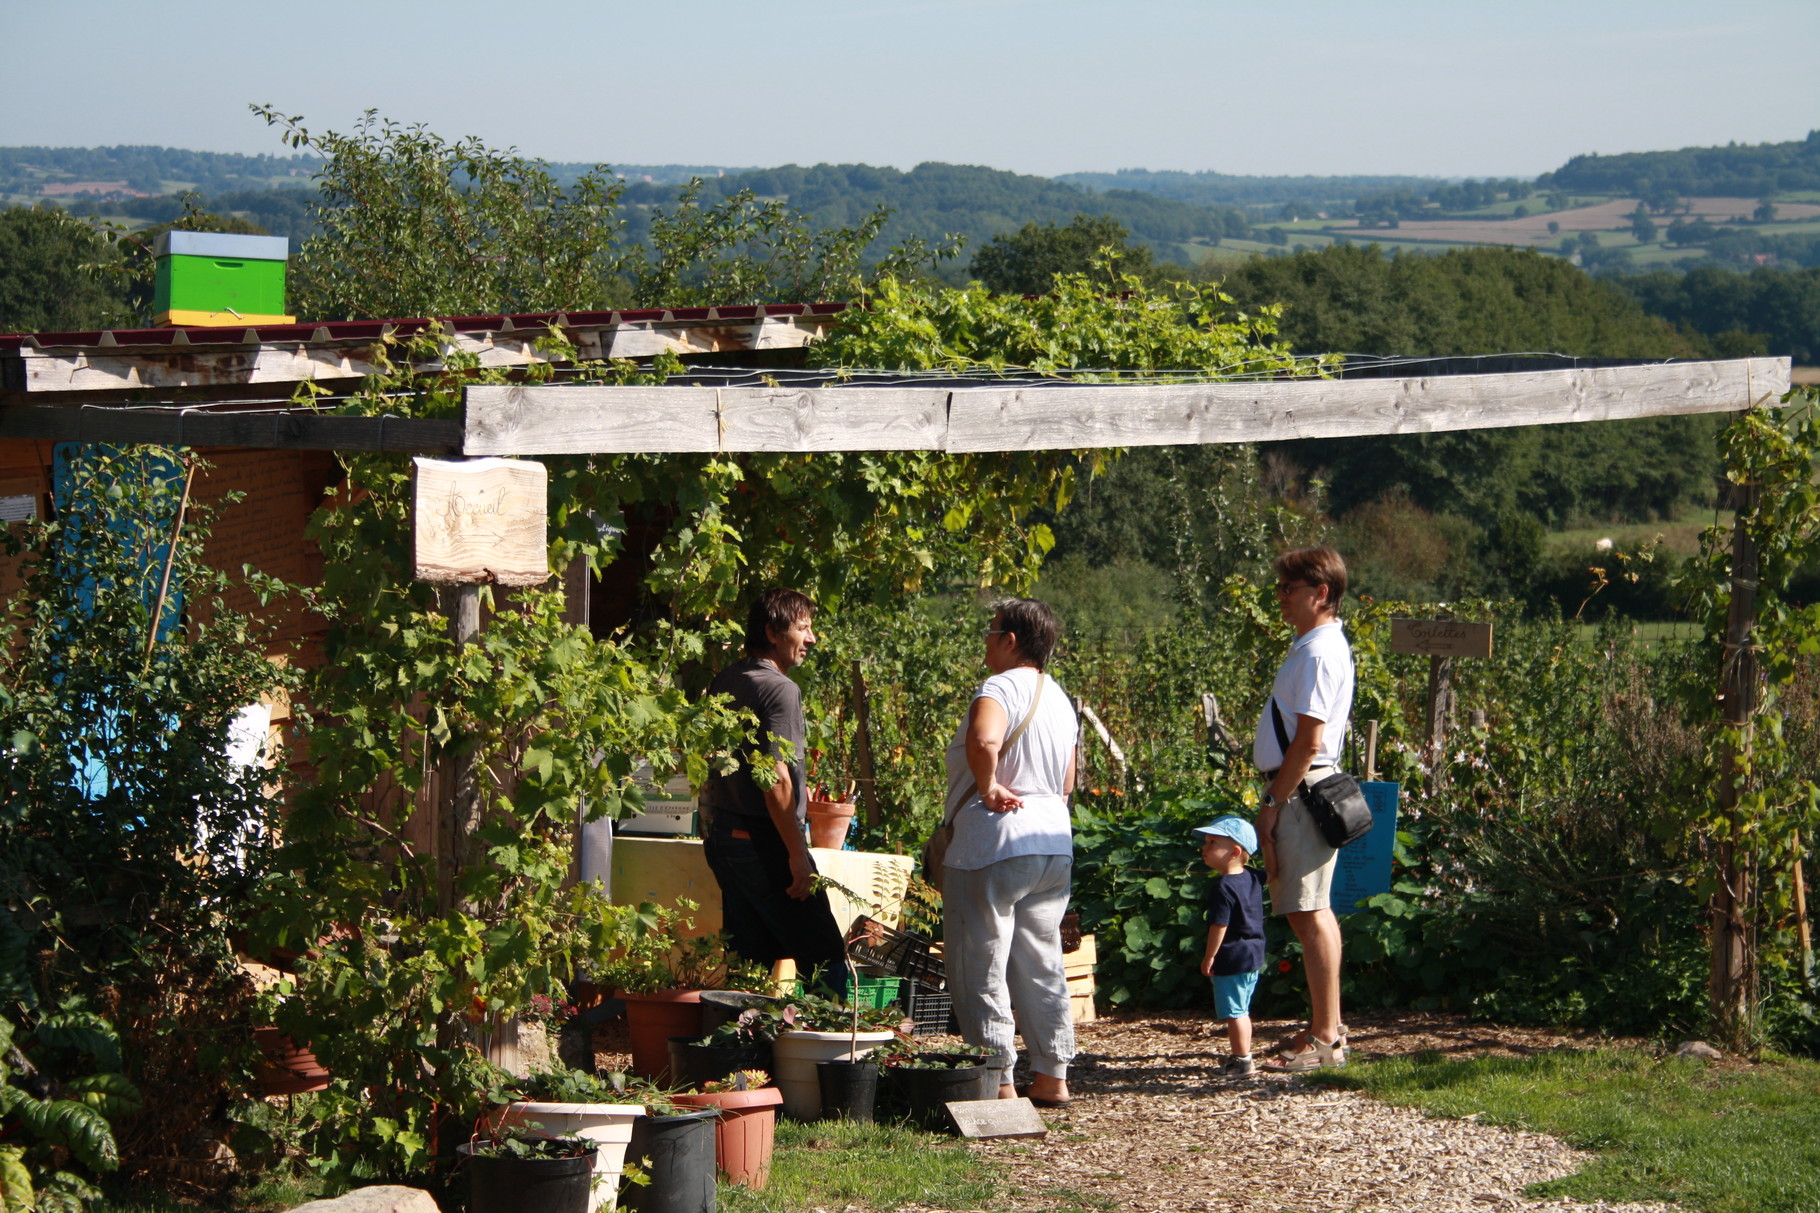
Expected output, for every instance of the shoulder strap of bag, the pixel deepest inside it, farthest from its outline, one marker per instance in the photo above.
(1276, 720)
(1042, 680)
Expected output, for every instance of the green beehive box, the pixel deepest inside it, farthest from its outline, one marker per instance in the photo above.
(215, 278)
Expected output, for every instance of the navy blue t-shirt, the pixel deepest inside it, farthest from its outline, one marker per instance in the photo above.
(1238, 902)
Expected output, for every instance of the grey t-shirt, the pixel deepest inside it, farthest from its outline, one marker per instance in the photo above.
(757, 684)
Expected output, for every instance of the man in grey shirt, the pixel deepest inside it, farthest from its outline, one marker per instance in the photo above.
(755, 845)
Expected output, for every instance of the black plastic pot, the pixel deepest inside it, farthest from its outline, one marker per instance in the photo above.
(849, 1089)
(922, 1095)
(531, 1185)
(719, 1006)
(677, 1152)
(693, 1064)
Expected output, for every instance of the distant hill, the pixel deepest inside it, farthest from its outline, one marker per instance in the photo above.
(1253, 193)
(933, 200)
(51, 171)
(1734, 171)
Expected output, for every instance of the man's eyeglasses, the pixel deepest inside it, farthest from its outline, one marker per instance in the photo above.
(1286, 587)
(995, 632)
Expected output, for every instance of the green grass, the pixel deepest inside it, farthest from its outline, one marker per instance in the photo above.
(1680, 535)
(1718, 1140)
(834, 1164)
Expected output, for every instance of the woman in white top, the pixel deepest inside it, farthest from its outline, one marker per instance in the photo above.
(1005, 878)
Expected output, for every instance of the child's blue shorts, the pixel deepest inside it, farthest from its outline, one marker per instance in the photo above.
(1232, 995)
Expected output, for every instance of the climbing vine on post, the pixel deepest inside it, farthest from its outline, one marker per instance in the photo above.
(1761, 802)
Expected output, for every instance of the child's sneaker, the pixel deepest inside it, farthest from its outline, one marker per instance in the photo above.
(1238, 1067)
(1316, 1055)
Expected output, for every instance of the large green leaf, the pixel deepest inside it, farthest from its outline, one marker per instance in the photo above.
(15, 1181)
(76, 1126)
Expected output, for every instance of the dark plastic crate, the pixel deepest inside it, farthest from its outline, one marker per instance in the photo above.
(930, 1006)
(886, 949)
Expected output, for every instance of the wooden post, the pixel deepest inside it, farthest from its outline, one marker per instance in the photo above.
(1371, 751)
(1220, 738)
(1112, 747)
(1732, 980)
(458, 813)
(862, 744)
(1440, 705)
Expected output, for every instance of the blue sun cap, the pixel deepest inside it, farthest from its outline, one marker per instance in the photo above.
(1235, 828)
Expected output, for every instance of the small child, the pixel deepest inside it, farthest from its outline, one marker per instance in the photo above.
(1235, 933)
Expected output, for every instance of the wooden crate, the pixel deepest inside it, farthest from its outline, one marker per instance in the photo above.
(1079, 966)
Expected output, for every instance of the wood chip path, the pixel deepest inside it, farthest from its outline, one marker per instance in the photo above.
(1150, 1132)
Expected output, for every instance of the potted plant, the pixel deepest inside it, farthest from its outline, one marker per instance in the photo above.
(525, 1172)
(830, 814)
(741, 1043)
(831, 817)
(822, 1030)
(569, 1102)
(673, 1148)
(661, 976)
(746, 1134)
(921, 1080)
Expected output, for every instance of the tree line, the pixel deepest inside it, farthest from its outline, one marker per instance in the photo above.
(1733, 171)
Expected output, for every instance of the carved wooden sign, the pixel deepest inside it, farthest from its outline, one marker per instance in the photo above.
(480, 521)
(1440, 637)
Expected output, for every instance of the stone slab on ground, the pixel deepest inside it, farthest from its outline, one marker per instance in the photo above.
(380, 1198)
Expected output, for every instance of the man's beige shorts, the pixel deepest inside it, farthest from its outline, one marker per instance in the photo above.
(1305, 863)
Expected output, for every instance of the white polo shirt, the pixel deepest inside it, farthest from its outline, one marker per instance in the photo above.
(1314, 680)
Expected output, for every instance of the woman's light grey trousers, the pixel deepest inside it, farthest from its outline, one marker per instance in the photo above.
(1003, 942)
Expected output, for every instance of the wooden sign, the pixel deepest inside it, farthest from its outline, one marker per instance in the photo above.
(480, 521)
(1440, 637)
(997, 1118)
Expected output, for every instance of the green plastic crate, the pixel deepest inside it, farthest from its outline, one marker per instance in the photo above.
(875, 993)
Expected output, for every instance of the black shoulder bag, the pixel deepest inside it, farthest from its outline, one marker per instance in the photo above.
(1336, 803)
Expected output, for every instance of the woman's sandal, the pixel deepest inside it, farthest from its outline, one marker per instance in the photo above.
(1038, 1101)
(1302, 1039)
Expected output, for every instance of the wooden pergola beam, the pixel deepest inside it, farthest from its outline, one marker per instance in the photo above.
(564, 419)
(272, 430)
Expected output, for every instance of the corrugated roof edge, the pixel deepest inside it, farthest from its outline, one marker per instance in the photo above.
(366, 330)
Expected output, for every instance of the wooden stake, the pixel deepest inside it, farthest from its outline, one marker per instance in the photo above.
(1732, 979)
(170, 559)
(862, 743)
(1371, 751)
(1802, 931)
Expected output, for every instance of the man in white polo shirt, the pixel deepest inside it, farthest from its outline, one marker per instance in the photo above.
(1298, 739)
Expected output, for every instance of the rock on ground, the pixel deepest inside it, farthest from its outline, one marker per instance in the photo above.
(380, 1198)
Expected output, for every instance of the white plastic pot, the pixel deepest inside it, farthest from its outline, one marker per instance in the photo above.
(610, 1124)
(795, 1054)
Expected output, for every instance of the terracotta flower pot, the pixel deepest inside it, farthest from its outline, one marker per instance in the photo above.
(652, 1019)
(747, 1132)
(829, 821)
(288, 1070)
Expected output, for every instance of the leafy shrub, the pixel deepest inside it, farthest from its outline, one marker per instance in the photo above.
(127, 825)
(60, 1091)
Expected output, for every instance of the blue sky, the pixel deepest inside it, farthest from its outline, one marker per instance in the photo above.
(1458, 88)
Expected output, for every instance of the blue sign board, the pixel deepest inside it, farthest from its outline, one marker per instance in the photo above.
(1364, 866)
